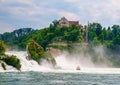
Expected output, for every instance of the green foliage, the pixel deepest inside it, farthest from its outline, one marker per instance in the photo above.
(116, 40)
(3, 65)
(91, 36)
(17, 37)
(49, 58)
(97, 35)
(2, 47)
(13, 61)
(53, 25)
(55, 34)
(67, 48)
(10, 60)
(35, 51)
(116, 30)
(72, 33)
(96, 42)
(108, 37)
(95, 27)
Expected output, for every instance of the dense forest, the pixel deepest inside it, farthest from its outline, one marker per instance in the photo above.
(17, 37)
(91, 35)
(96, 35)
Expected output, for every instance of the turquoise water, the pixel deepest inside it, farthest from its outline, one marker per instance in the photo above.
(51, 78)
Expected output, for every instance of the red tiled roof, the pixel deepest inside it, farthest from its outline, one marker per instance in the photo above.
(73, 22)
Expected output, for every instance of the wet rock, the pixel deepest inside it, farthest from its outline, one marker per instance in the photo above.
(78, 68)
(8, 59)
(3, 65)
(37, 53)
(28, 57)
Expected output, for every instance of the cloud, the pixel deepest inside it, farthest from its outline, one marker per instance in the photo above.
(106, 11)
(4, 27)
(40, 14)
(16, 1)
(69, 15)
(70, 1)
(113, 9)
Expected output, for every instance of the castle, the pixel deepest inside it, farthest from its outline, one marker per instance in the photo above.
(63, 22)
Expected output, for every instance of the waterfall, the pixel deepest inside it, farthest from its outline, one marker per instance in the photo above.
(26, 65)
(65, 63)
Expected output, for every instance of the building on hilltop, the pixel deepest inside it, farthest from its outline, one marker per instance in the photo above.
(63, 22)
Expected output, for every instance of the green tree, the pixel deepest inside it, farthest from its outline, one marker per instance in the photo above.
(102, 37)
(2, 47)
(72, 34)
(95, 27)
(116, 30)
(17, 37)
(96, 42)
(35, 51)
(53, 26)
(13, 61)
(91, 36)
(116, 40)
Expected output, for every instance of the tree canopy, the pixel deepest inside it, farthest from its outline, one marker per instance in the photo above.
(95, 33)
(2, 47)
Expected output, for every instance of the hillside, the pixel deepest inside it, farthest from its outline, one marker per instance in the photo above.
(67, 38)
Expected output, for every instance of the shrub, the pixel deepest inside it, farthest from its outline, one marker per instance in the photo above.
(13, 61)
(49, 58)
(35, 51)
(3, 65)
(2, 47)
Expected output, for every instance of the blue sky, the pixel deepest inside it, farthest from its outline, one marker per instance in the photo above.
(37, 14)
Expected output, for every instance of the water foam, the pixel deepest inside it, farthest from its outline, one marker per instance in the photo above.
(65, 63)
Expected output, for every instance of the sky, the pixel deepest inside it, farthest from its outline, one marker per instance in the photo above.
(37, 14)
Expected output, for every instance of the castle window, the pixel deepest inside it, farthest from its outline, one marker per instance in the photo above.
(63, 22)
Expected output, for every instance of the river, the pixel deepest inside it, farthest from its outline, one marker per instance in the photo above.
(53, 78)
(35, 74)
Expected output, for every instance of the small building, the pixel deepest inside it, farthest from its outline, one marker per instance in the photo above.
(63, 22)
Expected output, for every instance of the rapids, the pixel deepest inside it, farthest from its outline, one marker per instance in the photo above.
(64, 64)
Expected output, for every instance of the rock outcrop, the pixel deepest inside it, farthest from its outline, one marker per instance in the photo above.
(78, 68)
(8, 59)
(37, 53)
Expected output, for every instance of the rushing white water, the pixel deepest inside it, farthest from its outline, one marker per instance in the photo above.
(64, 62)
(26, 64)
